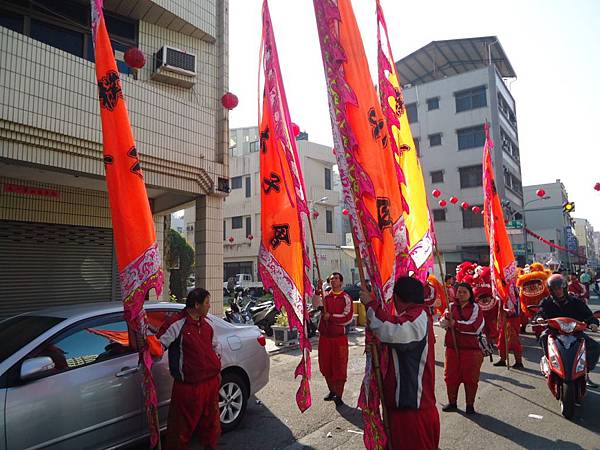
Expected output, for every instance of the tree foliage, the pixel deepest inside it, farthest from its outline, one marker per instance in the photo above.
(180, 257)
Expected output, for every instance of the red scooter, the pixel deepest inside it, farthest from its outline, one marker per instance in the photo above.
(565, 366)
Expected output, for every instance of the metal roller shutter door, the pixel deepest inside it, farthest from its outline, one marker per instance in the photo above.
(45, 265)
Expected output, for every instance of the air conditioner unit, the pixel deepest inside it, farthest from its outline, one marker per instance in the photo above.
(174, 66)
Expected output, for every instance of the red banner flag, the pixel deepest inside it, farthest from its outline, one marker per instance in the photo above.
(368, 172)
(283, 260)
(502, 261)
(133, 227)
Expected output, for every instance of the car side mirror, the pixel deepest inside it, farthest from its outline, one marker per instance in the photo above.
(34, 367)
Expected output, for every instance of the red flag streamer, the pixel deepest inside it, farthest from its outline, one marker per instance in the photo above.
(138, 260)
(503, 266)
(551, 244)
(283, 260)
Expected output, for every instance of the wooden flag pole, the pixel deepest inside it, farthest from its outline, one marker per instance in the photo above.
(374, 354)
(314, 247)
(452, 331)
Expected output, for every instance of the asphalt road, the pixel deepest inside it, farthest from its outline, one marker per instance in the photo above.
(515, 410)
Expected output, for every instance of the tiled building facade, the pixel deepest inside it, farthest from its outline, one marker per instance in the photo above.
(50, 131)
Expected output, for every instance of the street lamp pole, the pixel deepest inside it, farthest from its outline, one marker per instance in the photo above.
(512, 215)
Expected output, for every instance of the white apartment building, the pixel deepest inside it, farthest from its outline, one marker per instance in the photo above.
(451, 88)
(55, 226)
(546, 216)
(241, 221)
(585, 237)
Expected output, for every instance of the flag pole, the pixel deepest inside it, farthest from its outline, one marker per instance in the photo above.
(374, 353)
(449, 307)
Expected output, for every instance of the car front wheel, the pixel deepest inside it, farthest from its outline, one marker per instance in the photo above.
(233, 400)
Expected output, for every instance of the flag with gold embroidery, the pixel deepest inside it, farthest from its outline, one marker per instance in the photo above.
(410, 175)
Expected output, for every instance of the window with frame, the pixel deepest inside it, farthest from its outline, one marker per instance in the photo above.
(65, 25)
(412, 113)
(472, 219)
(248, 182)
(437, 176)
(327, 178)
(508, 145)
(237, 222)
(471, 176)
(470, 99)
(472, 137)
(85, 344)
(417, 146)
(236, 183)
(248, 226)
(435, 139)
(439, 215)
(254, 146)
(433, 103)
(329, 221)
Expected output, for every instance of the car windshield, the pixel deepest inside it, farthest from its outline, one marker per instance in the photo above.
(19, 331)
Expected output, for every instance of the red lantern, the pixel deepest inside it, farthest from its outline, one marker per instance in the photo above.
(295, 129)
(315, 214)
(540, 193)
(476, 209)
(229, 100)
(597, 187)
(250, 237)
(464, 205)
(436, 193)
(453, 200)
(345, 212)
(231, 239)
(134, 58)
(333, 150)
(442, 203)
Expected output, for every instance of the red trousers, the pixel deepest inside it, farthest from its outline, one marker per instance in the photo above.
(194, 406)
(333, 362)
(514, 342)
(463, 366)
(414, 429)
(491, 324)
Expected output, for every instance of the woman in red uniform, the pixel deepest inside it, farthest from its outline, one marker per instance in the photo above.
(463, 323)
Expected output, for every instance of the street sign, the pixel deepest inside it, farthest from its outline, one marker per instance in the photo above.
(514, 224)
(519, 249)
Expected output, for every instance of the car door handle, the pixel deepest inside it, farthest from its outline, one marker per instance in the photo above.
(126, 371)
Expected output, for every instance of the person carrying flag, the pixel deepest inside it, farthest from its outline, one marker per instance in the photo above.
(333, 341)
(196, 369)
(463, 323)
(409, 383)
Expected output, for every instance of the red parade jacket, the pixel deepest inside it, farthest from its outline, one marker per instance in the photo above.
(339, 307)
(468, 323)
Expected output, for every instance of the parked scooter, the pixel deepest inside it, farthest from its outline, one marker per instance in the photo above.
(314, 316)
(263, 316)
(565, 365)
(238, 314)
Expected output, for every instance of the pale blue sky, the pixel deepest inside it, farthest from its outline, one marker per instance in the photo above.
(553, 45)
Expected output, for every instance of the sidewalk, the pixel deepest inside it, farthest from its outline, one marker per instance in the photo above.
(273, 349)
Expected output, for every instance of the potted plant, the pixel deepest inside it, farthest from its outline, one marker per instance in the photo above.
(281, 330)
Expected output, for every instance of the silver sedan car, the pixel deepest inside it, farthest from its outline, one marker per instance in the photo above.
(67, 383)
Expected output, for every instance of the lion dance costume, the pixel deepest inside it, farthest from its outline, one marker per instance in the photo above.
(532, 289)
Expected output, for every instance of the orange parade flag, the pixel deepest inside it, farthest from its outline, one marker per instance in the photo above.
(283, 260)
(134, 235)
(503, 266)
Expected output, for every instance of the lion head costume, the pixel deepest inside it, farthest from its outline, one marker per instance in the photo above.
(532, 286)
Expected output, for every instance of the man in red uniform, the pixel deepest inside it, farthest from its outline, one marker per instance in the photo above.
(196, 368)
(575, 288)
(510, 333)
(333, 342)
(409, 383)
